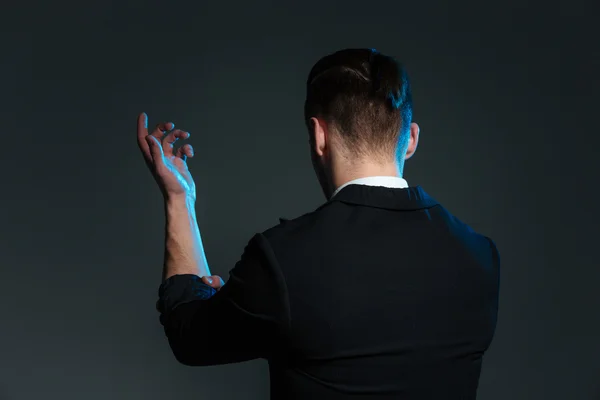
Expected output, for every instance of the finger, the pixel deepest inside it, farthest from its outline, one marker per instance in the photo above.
(142, 125)
(185, 151)
(160, 129)
(142, 132)
(171, 138)
(156, 150)
(214, 281)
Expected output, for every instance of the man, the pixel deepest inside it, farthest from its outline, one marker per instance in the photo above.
(380, 293)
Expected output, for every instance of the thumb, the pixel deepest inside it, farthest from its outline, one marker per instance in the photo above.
(213, 281)
(155, 149)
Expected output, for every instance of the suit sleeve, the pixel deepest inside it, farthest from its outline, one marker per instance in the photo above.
(247, 319)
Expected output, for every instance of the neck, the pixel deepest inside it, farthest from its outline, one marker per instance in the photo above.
(341, 174)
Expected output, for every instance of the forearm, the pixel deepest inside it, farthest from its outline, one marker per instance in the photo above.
(184, 253)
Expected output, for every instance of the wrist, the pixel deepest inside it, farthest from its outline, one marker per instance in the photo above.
(180, 201)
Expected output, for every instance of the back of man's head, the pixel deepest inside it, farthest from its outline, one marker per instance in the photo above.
(365, 99)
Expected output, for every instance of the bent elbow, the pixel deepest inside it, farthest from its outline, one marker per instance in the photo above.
(185, 359)
(185, 353)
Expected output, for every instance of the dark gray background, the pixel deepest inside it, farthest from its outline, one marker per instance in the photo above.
(506, 96)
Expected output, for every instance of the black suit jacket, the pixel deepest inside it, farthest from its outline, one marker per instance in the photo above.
(380, 293)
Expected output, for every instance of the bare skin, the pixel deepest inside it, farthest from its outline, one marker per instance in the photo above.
(184, 252)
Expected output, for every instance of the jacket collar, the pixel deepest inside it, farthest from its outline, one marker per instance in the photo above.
(408, 199)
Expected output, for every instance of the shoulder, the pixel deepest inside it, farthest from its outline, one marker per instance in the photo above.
(291, 237)
(294, 226)
(463, 232)
(495, 252)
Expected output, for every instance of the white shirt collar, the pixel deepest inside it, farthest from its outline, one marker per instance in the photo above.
(385, 181)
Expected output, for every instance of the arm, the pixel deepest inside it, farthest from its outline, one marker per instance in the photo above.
(247, 319)
(184, 252)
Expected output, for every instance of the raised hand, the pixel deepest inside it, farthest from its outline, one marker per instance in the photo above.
(168, 167)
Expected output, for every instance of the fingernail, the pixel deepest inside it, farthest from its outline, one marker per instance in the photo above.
(209, 280)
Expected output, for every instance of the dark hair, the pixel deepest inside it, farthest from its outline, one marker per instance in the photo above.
(365, 96)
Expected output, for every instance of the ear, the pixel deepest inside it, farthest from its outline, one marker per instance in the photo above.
(413, 140)
(319, 136)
